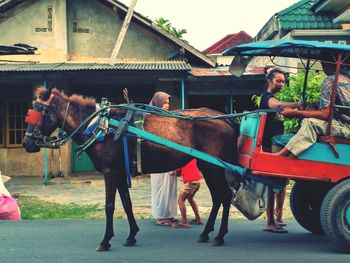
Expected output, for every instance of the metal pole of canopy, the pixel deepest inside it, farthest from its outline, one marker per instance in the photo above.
(46, 159)
(307, 68)
(334, 95)
(182, 94)
(123, 30)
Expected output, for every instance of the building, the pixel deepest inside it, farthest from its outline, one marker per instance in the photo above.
(75, 40)
(314, 20)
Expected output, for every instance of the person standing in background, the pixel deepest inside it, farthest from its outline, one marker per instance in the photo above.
(163, 185)
(191, 178)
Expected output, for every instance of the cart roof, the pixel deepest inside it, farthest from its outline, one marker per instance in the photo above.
(290, 48)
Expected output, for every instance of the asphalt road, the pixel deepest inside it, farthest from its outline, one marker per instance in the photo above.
(75, 241)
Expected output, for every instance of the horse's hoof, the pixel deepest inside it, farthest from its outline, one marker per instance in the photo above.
(102, 248)
(203, 239)
(130, 242)
(218, 242)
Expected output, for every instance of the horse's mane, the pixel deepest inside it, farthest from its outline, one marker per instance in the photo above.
(75, 98)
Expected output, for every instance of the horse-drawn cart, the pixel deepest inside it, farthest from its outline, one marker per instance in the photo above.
(320, 198)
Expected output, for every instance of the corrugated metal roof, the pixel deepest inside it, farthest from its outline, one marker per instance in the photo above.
(225, 71)
(301, 16)
(75, 66)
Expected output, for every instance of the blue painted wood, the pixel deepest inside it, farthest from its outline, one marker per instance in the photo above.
(190, 151)
(249, 125)
(321, 152)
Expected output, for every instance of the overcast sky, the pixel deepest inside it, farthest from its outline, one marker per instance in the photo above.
(208, 21)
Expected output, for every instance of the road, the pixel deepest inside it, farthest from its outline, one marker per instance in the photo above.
(75, 241)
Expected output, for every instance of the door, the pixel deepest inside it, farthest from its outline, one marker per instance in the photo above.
(84, 164)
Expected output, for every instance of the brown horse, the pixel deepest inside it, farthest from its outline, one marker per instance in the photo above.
(215, 137)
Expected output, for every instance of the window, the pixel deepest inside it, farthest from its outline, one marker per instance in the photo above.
(12, 125)
(342, 42)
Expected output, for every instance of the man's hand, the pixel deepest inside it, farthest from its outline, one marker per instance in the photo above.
(289, 112)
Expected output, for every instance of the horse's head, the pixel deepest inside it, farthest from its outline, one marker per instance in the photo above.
(41, 121)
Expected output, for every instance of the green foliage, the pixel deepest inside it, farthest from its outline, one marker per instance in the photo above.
(35, 209)
(257, 100)
(293, 93)
(166, 25)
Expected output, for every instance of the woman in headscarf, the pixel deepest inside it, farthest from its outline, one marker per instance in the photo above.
(163, 185)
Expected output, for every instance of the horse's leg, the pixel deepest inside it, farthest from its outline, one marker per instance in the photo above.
(110, 188)
(127, 205)
(209, 226)
(226, 203)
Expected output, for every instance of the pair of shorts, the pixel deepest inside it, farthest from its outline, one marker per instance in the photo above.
(191, 187)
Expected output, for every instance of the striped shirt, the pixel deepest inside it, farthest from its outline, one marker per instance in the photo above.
(342, 98)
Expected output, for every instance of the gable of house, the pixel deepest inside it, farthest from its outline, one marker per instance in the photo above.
(228, 41)
(87, 30)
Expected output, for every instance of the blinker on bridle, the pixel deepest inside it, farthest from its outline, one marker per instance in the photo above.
(35, 117)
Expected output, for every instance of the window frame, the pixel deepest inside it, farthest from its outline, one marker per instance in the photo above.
(17, 116)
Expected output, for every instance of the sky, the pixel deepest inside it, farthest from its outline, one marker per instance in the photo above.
(207, 21)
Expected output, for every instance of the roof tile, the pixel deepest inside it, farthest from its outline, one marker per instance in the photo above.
(301, 11)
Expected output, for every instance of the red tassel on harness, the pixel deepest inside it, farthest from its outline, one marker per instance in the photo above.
(34, 117)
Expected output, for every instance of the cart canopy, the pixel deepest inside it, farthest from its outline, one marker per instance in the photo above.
(291, 48)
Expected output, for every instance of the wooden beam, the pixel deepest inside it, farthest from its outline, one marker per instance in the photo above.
(123, 31)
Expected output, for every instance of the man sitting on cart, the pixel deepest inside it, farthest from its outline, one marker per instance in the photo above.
(315, 122)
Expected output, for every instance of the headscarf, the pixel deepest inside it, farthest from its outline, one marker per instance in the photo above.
(159, 99)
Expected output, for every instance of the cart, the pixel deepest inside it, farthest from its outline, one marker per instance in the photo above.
(320, 197)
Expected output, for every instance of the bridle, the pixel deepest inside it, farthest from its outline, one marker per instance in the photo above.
(35, 117)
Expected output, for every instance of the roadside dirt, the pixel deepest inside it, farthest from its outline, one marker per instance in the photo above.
(89, 189)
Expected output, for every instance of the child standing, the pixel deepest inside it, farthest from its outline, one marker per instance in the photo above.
(191, 178)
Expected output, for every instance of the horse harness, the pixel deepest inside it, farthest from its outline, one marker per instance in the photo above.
(98, 127)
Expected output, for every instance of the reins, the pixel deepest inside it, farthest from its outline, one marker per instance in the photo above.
(146, 108)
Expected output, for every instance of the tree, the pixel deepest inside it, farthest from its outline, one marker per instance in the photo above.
(166, 25)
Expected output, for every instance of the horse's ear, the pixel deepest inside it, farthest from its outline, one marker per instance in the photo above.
(46, 94)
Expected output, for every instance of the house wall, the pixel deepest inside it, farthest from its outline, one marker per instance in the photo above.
(17, 162)
(27, 23)
(78, 30)
(84, 30)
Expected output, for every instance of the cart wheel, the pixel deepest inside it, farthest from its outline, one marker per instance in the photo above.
(305, 203)
(335, 215)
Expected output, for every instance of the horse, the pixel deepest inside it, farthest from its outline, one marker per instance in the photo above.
(216, 137)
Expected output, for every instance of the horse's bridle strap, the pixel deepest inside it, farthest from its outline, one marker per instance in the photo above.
(46, 102)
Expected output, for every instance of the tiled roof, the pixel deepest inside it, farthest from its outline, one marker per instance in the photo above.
(70, 66)
(301, 16)
(228, 42)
